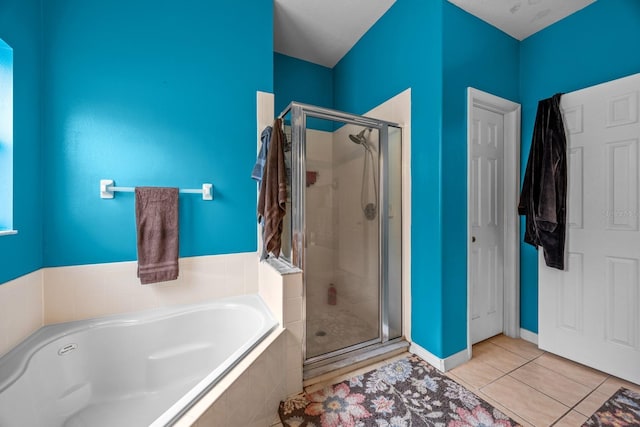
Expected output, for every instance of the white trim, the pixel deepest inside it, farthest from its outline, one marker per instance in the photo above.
(8, 232)
(511, 112)
(527, 335)
(512, 222)
(442, 365)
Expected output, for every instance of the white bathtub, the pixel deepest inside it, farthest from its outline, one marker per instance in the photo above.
(141, 369)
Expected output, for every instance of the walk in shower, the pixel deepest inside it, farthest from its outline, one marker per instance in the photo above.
(343, 229)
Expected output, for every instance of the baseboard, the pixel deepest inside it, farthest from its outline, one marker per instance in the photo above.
(442, 365)
(526, 335)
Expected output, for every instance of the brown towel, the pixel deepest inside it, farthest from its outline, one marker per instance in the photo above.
(273, 191)
(157, 232)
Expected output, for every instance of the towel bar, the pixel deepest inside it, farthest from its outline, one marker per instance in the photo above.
(107, 190)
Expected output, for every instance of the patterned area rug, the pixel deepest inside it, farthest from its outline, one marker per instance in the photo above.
(406, 393)
(622, 409)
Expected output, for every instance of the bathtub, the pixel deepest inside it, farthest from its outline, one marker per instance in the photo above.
(140, 369)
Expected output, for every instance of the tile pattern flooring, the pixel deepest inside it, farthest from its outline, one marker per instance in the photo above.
(531, 386)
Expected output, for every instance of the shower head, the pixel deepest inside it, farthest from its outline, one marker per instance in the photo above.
(359, 138)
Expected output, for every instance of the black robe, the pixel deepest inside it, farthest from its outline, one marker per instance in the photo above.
(544, 191)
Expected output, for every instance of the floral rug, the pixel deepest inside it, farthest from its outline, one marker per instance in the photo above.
(406, 393)
(622, 409)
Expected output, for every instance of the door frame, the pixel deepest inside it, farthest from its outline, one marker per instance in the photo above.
(511, 190)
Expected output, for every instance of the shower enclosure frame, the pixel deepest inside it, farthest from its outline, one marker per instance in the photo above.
(299, 112)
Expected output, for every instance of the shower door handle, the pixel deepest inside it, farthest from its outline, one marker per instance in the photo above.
(473, 239)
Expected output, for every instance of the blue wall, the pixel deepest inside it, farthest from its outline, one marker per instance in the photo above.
(437, 50)
(20, 27)
(305, 82)
(301, 81)
(595, 45)
(480, 56)
(151, 93)
(404, 50)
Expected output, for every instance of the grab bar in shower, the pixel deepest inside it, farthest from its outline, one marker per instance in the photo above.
(107, 189)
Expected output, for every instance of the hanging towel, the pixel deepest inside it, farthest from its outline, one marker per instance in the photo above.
(544, 191)
(258, 168)
(157, 233)
(273, 192)
(258, 172)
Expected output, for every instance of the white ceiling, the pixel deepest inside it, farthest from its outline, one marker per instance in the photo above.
(323, 31)
(521, 18)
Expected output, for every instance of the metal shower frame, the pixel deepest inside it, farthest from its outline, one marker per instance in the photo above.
(299, 114)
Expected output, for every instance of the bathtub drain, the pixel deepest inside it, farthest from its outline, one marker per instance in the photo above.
(66, 349)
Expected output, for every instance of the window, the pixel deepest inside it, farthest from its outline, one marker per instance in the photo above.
(6, 139)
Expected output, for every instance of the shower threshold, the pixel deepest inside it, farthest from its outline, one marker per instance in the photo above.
(337, 365)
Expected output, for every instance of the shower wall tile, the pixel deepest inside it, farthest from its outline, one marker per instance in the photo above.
(292, 288)
(234, 273)
(81, 292)
(294, 338)
(294, 335)
(357, 242)
(283, 294)
(265, 110)
(293, 310)
(294, 381)
(20, 309)
(320, 269)
(250, 274)
(271, 289)
(319, 146)
(319, 196)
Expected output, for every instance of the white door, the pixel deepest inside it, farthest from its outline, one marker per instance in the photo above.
(591, 312)
(486, 214)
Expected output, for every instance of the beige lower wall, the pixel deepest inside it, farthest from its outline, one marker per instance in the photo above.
(87, 291)
(21, 309)
(249, 395)
(62, 294)
(282, 292)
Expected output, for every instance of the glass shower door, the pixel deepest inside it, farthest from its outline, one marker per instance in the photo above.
(342, 236)
(344, 230)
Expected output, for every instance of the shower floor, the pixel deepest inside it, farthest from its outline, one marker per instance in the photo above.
(333, 328)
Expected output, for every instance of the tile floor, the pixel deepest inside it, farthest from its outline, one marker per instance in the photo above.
(531, 386)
